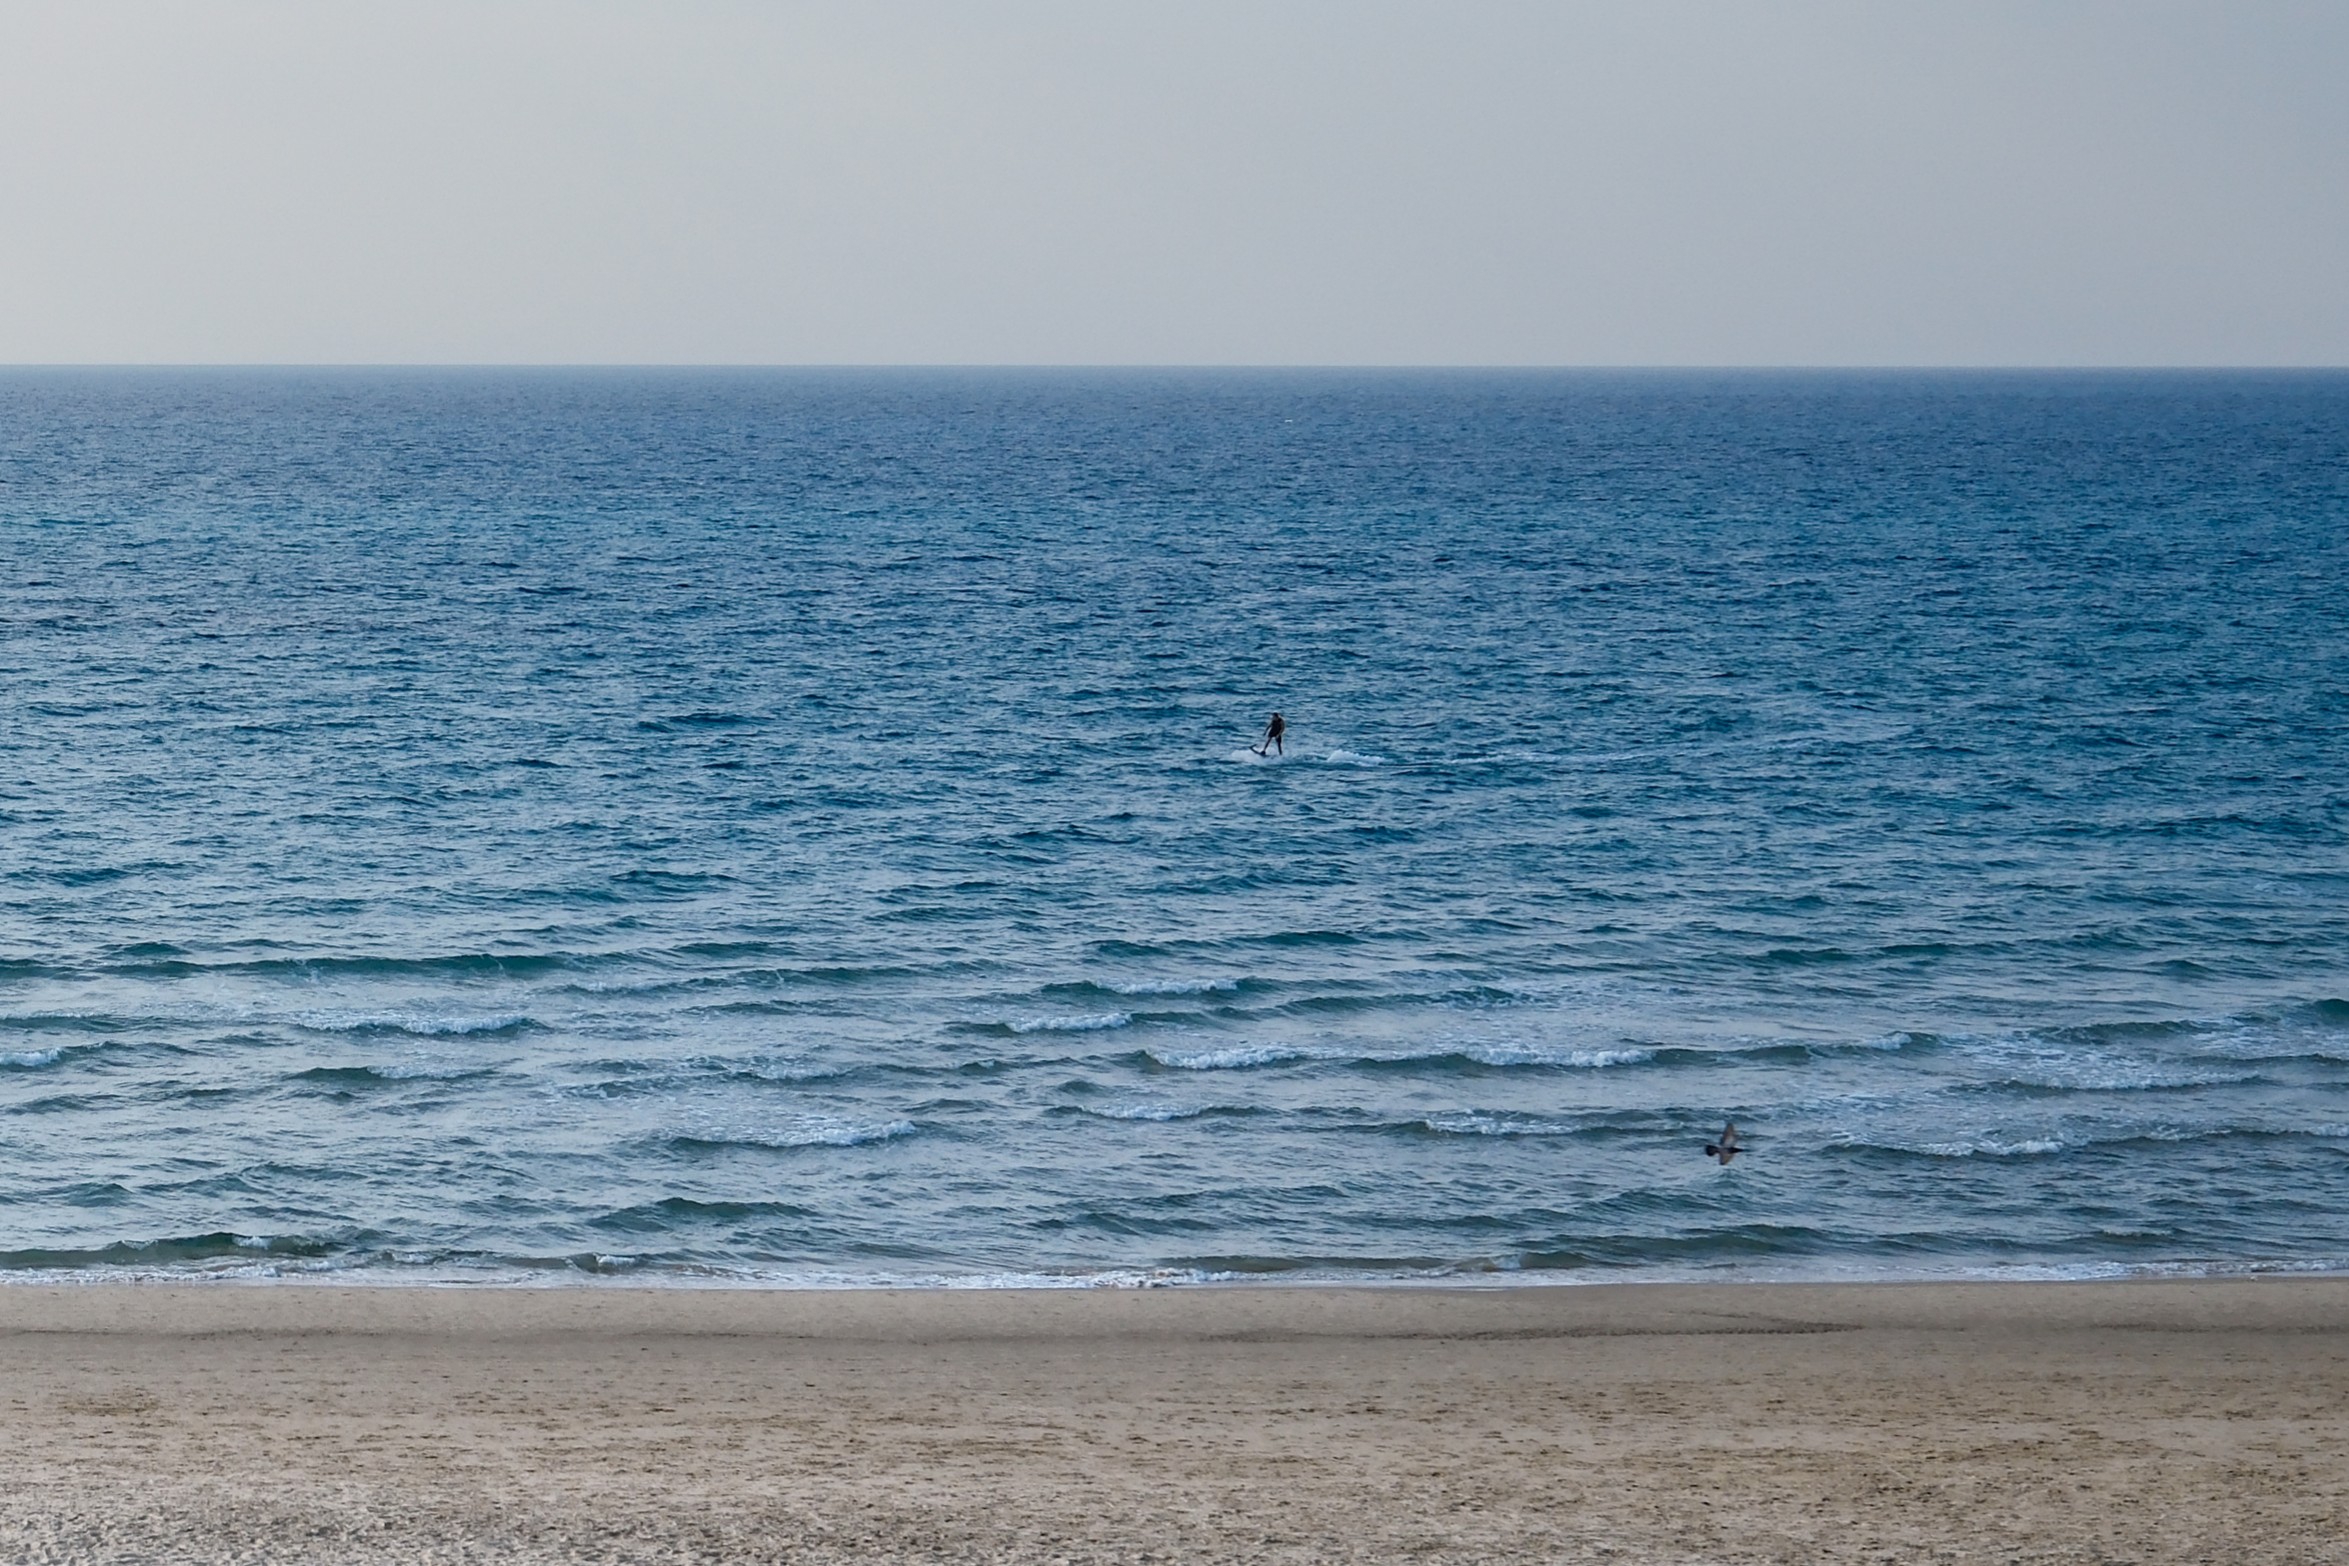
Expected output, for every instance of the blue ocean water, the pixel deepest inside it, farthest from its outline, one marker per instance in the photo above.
(709, 825)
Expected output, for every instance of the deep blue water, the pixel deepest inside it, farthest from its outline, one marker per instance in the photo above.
(800, 824)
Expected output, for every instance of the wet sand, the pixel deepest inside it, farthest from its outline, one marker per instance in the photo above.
(2170, 1421)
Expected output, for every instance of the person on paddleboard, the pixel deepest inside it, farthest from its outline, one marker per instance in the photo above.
(1272, 737)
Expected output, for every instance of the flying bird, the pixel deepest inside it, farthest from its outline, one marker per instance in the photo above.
(1727, 1147)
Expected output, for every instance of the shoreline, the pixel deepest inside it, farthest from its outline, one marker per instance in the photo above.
(2144, 1419)
(1151, 1279)
(2153, 1303)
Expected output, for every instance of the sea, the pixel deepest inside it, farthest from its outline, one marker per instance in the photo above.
(808, 827)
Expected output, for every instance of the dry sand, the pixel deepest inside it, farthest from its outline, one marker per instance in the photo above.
(2202, 1421)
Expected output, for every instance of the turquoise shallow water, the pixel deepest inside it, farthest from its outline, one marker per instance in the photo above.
(799, 825)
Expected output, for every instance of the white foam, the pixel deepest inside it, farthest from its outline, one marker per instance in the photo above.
(1091, 1024)
(421, 1072)
(1353, 758)
(31, 1057)
(1120, 1278)
(402, 1269)
(1494, 1125)
(1533, 1055)
(1148, 1111)
(1176, 987)
(821, 1132)
(2115, 1076)
(409, 1022)
(1238, 1057)
(1989, 1147)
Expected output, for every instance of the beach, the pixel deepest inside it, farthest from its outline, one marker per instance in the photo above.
(2196, 1420)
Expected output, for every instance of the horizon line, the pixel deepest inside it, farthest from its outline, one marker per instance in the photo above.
(1178, 365)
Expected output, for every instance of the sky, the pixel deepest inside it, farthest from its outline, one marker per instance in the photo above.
(1472, 182)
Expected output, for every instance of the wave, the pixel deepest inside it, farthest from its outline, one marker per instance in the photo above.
(1155, 1112)
(813, 1133)
(454, 965)
(1468, 997)
(634, 1079)
(1242, 1057)
(2116, 1077)
(1540, 1055)
(2132, 1057)
(706, 719)
(379, 1075)
(1478, 1124)
(1146, 987)
(56, 1104)
(43, 1057)
(418, 1025)
(1985, 1147)
(67, 1022)
(673, 1210)
(1994, 1145)
(784, 1073)
(176, 1250)
(1237, 1057)
(1093, 1023)
(1353, 758)
(1335, 998)
(1211, 946)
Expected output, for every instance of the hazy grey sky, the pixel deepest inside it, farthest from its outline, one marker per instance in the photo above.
(1197, 182)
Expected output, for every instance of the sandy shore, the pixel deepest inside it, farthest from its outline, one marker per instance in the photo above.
(2204, 1421)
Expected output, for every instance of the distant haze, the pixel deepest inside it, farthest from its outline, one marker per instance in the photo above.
(1357, 183)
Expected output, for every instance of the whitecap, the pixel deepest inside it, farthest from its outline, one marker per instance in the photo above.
(1353, 758)
(1493, 1125)
(2118, 1076)
(1090, 1024)
(1237, 1057)
(420, 1071)
(1148, 1111)
(817, 1132)
(1243, 1055)
(410, 1022)
(856, 1135)
(29, 1058)
(1988, 1147)
(1175, 987)
(1533, 1055)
